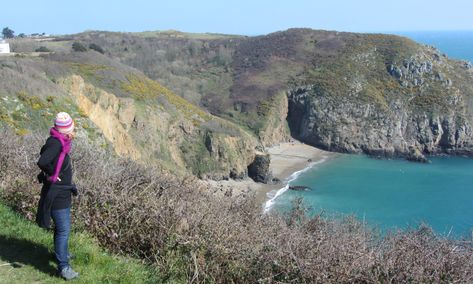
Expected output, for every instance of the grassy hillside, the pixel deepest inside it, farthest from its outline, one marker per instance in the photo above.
(26, 256)
(118, 107)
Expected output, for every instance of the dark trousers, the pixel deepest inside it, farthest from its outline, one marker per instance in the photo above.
(62, 228)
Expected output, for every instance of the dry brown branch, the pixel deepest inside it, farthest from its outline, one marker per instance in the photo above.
(194, 236)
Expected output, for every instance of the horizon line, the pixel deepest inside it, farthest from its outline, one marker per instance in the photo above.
(260, 34)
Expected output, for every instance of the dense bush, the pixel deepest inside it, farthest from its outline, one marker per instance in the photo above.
(194, 236)
(78, 47)
(96, 47)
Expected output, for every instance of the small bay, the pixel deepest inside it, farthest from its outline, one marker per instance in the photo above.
(396, 193)
(391, 194)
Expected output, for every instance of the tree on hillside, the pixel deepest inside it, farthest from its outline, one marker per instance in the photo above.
(78, 47)
(8, 33)
(96, 47)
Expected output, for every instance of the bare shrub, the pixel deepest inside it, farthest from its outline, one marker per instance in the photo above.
(193, 236)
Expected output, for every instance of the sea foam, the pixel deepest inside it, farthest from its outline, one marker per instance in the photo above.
(273, 196)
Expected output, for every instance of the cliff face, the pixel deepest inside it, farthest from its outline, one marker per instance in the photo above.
(275, 129)
(345, 126)
(423, 107)
(227, 154)
(209, 148)
(113, 116)
(117, 107)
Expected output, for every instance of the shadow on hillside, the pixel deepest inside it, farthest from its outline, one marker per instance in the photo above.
(21, 252)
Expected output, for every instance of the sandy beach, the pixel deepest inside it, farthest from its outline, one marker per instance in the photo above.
(286, 159)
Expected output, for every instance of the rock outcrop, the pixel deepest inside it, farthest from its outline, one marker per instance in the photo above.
(226, 154)
(276, 129)
(113, 116)
(409, 126)
(259, 169)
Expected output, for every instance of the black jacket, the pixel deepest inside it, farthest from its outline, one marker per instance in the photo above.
(58, 195)
(49, 156)
(50, 193)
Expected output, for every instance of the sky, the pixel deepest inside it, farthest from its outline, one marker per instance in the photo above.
(245, 17)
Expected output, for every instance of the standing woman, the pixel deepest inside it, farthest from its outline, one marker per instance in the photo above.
(55, 200)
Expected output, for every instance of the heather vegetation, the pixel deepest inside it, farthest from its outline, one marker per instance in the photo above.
(190, 235)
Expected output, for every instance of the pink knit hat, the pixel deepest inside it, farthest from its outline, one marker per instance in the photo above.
(64, 123)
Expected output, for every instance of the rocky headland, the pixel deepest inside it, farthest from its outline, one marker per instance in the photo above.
(212, 106)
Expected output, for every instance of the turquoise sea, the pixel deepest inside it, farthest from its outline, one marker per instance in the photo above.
(456, 44)
(390, 193)
(394, 194)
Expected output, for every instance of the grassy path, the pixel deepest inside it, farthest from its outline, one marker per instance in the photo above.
(26, 256)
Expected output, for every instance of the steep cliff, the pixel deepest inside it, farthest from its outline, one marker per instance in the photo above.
(275, 128)
(120, 107)
(407, 103)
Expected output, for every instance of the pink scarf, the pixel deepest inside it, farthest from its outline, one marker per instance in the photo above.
(66, 148)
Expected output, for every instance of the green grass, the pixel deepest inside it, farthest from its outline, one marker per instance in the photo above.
(90, 72)
(143, 88)
(25, 256)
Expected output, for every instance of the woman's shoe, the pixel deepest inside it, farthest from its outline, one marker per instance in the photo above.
(68, 274)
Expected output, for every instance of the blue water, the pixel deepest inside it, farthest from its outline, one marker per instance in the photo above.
(395, 193)
(456, 44)
(391, 194)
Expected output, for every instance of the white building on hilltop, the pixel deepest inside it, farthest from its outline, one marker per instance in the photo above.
(4, 47)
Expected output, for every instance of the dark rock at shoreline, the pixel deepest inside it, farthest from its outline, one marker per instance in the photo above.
(259, 169)
(416, 156)
(299, 187)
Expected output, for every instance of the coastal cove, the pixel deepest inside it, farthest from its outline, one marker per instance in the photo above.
(393, 194)
(390, 194)
(252, 142)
